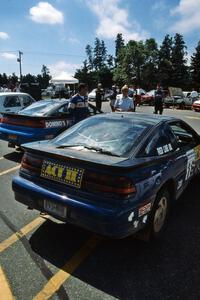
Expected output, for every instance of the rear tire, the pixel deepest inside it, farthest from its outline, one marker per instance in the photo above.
(157, 218)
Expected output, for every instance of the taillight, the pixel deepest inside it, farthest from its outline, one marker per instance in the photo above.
(23, 122)
(31, 163)
(113, 185)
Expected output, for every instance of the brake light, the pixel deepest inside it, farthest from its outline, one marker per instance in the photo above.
(31, 163)
(113, 185)
(23, 122)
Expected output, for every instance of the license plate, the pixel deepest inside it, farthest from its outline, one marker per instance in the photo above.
(62, 173)
(12, 137)
(55, 208)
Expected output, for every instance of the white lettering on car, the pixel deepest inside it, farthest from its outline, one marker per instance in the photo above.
(166, 148)
(191, 157)
(160, 151)
(53, 124)
(179, 185)
(131, 216)
(170, 147)
(144, 220)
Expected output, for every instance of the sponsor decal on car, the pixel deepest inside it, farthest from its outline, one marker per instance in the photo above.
(53, 124)
(144, 209)
(197, 152)
(62, 173)
(191, 158)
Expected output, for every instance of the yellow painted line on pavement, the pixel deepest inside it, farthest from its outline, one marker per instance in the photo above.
(22, 232)
(5, 291)
(61, 276)
(194, 118)
(9, 170)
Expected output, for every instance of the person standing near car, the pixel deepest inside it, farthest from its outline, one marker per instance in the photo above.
(123, 101)
(78, 104)
(99, 96)
(158, 101)
(112, 97)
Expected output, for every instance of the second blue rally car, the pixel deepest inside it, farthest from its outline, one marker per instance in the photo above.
(113, 174)
(42, 120)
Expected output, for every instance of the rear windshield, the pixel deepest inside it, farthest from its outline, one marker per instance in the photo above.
(39, 108)
(117, 136)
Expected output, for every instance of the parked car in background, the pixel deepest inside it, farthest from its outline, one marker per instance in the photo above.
(13, 102)
(137, 94)
(196, 105)
(180, 99)
(40, 121)
(92, 95)
(48, 92)
(149, 97)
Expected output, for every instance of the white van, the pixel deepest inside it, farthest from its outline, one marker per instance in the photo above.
(11, 102)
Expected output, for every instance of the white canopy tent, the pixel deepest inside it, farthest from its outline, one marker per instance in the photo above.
(63, 78)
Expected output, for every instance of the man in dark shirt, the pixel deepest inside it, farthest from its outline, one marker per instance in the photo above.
(99, 96)
(78, 104)
(158, 100)
(112, 97)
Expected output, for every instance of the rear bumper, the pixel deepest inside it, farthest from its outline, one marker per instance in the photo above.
(114, 222)
(18, 137)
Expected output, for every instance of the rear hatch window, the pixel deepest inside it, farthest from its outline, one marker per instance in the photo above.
(115, 135)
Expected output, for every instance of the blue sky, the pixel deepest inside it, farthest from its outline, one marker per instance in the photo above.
(55, 32)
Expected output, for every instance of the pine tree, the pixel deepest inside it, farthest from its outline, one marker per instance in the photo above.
(89, 53)
(110, 61)
(195, 67)
(150, 68)
(119, 43)
(165, 62)
(97, 54)
(103, 51)
(180, 73)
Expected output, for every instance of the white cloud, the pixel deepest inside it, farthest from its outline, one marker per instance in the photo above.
(45, 13)
(73, 40)
(9, 56)
(62, 67)
(189, 13)
(114, 20)
(4, 35)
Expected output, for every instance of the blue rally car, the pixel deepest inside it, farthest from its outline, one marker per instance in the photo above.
(113, 174)
(42, 120)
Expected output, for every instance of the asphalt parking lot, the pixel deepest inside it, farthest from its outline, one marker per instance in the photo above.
(41, 258)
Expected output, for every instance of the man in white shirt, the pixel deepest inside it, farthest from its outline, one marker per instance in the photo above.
(123, 101)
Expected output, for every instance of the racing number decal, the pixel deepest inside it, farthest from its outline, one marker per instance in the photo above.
(191, 158)
(197, 152)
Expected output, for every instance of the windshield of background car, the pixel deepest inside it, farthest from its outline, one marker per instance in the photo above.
(40, 108)
(115, 135)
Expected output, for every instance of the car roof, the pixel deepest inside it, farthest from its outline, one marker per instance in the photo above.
(139, 117)
(12, 93)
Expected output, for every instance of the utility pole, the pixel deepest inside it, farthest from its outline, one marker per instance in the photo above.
(20, 64)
